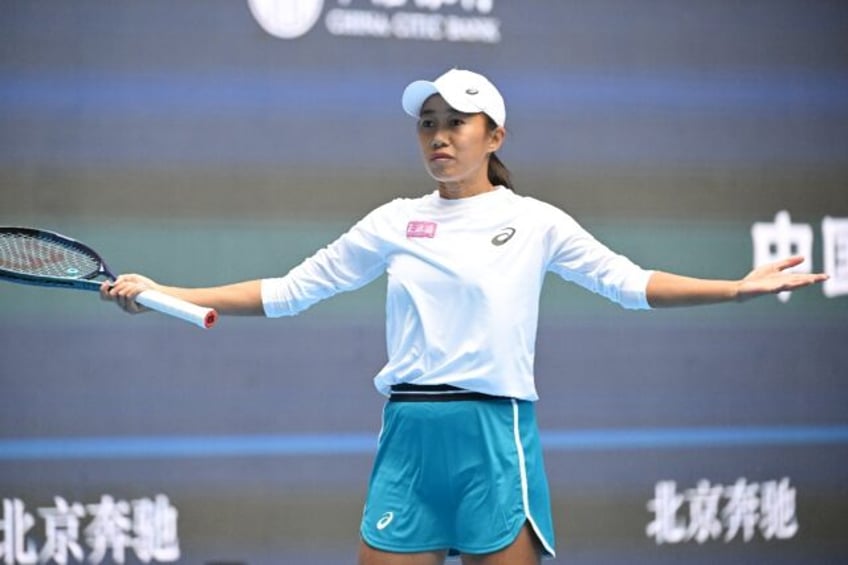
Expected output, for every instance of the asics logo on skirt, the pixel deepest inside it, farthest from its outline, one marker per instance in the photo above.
(385, 520)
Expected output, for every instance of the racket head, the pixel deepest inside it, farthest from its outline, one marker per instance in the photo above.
(42, 257)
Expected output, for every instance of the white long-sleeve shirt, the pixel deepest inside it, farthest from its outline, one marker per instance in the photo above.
(464, 281)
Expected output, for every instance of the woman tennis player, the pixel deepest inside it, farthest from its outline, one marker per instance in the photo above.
(459, 465)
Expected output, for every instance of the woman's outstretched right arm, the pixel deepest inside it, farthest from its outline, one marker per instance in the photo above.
(238, 299)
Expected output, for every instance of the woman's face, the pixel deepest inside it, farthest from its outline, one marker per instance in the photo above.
(455, 145)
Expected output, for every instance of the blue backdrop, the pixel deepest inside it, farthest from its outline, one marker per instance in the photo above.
(185, 141)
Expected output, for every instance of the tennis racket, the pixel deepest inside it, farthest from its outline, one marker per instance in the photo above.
(44, 258)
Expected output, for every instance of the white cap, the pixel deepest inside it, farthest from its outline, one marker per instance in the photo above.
(464, 91)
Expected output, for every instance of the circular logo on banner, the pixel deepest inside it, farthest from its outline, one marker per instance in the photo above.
(287, 19)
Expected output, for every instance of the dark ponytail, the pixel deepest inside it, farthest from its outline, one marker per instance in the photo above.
(498, 174)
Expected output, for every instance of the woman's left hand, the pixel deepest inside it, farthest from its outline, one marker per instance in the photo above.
(771, 278)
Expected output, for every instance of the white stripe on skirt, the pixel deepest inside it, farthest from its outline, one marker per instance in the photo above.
(525, 496)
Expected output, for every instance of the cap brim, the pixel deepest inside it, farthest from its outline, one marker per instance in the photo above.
(416, 94)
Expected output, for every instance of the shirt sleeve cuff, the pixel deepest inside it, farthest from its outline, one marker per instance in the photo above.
(634, 292)
(273, 306)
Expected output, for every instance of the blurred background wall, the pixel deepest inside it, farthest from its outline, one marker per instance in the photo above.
(203, 142)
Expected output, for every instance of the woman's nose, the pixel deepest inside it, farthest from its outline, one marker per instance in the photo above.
(437, 141)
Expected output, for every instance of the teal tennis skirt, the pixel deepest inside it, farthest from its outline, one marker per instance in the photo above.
(457, 475)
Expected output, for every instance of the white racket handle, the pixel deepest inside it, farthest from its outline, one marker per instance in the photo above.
(192, 313)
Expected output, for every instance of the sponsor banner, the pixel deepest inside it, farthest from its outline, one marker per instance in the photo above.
(470, 21)
(108, 530)
(708, 512)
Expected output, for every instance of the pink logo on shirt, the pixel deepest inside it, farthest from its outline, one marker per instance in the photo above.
(417, 228)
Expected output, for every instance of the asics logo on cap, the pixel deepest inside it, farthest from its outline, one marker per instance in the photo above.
(472, 91)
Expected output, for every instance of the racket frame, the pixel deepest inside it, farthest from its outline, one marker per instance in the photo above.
(83, 282)
(197, 315)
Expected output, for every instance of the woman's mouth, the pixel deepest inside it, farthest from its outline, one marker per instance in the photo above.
(440, 157)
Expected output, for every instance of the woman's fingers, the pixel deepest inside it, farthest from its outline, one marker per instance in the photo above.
(124, 290)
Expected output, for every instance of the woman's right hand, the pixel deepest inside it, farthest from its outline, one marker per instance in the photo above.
(124, 289)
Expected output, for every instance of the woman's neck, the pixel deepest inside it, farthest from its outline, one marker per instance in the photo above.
(454, 190)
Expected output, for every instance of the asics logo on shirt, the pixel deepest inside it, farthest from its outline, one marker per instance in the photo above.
(503, 236)
(385, 520)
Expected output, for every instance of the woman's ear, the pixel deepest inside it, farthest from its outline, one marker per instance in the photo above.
(496, 138)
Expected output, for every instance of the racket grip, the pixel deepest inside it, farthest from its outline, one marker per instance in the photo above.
(197, 315)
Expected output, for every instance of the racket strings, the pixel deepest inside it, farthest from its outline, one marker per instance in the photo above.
(26, 254)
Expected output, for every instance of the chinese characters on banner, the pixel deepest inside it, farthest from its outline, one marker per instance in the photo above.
(108, 529)
(725, 512)
(782, 238)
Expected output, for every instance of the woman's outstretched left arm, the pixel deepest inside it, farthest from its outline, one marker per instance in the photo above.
(666, 289)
